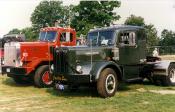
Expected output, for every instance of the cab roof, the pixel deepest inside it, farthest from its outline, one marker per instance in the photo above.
(116, 27)
(56, 28)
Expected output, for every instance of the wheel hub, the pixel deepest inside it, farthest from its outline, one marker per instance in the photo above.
(110, 83)
(46, 78)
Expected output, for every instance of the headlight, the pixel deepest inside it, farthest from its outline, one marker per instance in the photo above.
(52, 68)
(79, 68)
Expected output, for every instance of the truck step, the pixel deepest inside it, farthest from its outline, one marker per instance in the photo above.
(134, 80)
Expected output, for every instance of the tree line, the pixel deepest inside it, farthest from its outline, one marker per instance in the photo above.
(87, 15)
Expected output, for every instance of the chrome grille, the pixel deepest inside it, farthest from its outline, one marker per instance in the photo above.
(11, 54)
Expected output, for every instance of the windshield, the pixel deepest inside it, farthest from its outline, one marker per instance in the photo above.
(47, 36)
(101, 38)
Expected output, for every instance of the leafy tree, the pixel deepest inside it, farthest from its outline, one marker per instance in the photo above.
(152, 38)
(47, 13)
(14, 31)
(135, 20)
(29, 33)
(89, 14)
(167, 38)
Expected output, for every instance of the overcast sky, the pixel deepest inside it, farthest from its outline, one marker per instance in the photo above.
(161, 13)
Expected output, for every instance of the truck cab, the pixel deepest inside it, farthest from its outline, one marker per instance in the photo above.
(113, 54)
(30, 61)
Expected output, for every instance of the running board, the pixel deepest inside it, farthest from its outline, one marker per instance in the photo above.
(139, 79)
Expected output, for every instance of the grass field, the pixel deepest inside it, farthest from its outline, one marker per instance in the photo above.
(143, 97)
(129, 98)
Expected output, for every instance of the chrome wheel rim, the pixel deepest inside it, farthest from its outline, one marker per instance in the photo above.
(172, 75)
(110, 83)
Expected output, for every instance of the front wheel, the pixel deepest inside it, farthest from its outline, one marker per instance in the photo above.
(42, 77)
(107, 83)
(170, 79)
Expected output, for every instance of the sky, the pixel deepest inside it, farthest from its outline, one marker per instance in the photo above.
(161, 13)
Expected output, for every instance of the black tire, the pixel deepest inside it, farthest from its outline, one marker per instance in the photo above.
(107, 75)
(21, 79)
(170, 79)
(39, 77)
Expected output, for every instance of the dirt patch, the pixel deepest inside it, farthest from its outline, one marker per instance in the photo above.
(141, 90)
(168, 57)
(163, 92)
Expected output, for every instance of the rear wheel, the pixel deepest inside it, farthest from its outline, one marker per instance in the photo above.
(170, 79)
(42, 77)
(107, 83)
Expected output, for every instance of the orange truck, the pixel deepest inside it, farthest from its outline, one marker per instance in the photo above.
(30, 61)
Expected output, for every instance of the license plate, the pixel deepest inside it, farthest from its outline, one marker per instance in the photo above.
(8, 70)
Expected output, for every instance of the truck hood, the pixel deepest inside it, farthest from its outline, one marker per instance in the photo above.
(36, 50)
(35, 43)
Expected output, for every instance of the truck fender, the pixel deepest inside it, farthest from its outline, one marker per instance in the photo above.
(99, 66)
(161, 68)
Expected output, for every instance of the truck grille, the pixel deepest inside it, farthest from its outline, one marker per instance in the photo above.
(11, 55)
(60, 61)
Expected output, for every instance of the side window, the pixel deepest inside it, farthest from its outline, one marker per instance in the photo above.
(124, 38)
(132, 38)
(66, 37)
(127, 38)
(106, 38)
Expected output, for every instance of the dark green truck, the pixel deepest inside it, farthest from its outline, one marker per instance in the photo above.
(113, 54)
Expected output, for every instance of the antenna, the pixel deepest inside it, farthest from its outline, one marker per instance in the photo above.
(91, 51)
(49, 55)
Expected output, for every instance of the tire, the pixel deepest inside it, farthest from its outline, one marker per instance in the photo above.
(104, 87)
(42, 77)
(21, 80)
(170, 79)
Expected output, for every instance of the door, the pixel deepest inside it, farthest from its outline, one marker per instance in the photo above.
(129, 55)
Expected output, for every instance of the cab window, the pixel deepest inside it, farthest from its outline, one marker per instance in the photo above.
(101, 38)
(106, 38)
(127, 38)
(48, 36)
(66, 37)
(92, 38)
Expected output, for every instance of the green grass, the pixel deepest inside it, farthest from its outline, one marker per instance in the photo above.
(17, 98)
